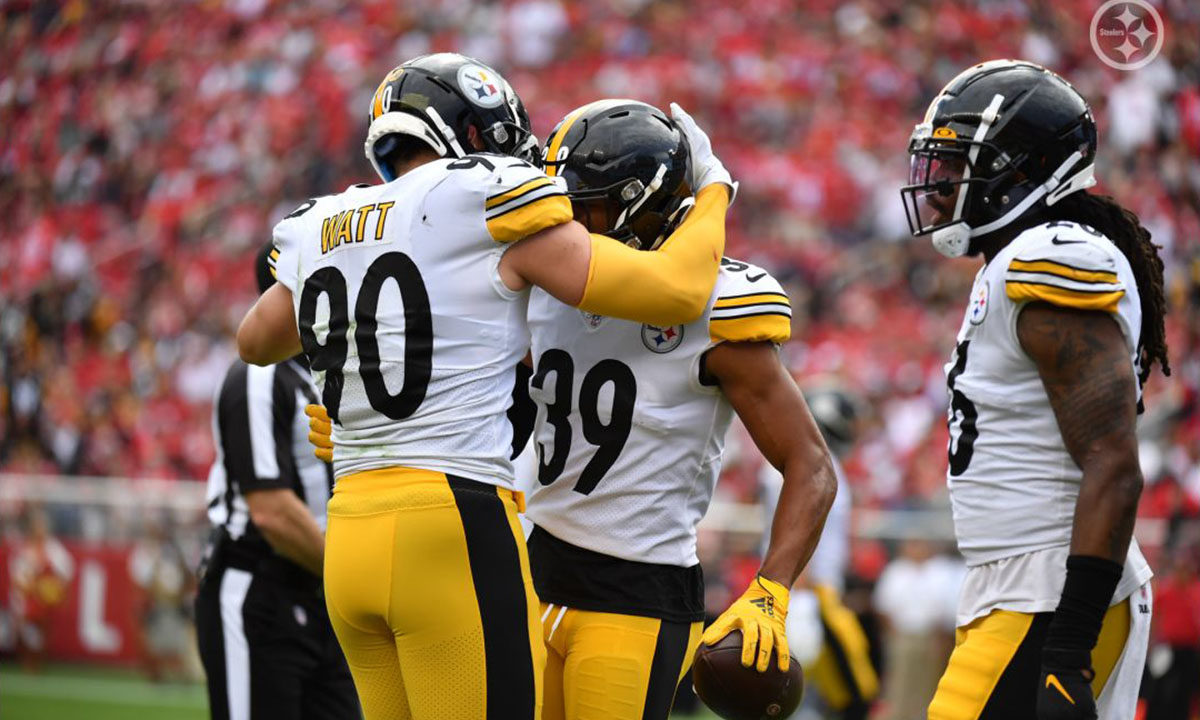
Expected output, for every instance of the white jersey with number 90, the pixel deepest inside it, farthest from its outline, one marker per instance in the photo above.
(412, 337)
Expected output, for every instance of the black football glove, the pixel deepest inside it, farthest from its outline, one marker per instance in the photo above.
(1065, 689)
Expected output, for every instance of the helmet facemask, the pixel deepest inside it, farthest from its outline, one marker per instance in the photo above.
(955, 187)
(631, 211)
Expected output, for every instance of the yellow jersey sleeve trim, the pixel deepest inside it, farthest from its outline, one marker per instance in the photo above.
(1050, 267)
(1079, 299)
(752, 299)
(525, 220)
(765, 327)
(501, 198)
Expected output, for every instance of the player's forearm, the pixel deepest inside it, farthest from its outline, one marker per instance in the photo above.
(670, 285)
(809, 487)
(291, 531)
(1107, 506)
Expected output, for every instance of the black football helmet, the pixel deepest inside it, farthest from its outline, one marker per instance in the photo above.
(838, 413)
(437, 98)
(1003, 139)
(626, 168)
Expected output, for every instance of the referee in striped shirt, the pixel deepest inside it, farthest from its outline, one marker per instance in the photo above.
(264, 634)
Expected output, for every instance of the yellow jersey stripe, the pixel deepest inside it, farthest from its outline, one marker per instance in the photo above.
(525, 220)
(519, 190)
(554, 143)
(1079, 299)
(759, 327)
(739, 301)
(1064, 271)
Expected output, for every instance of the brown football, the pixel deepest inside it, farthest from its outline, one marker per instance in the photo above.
(742, 693)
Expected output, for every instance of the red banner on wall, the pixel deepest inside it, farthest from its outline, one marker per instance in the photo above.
(98, 617)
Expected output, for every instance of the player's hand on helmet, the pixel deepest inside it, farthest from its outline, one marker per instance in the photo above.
(761, 614)
(707, 168)
(1065, 687)
(320, 431)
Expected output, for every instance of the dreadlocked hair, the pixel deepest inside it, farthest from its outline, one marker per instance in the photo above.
(1125, 231)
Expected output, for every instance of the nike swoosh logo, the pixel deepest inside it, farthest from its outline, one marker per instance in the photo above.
(1053, 682)
(1054, 240)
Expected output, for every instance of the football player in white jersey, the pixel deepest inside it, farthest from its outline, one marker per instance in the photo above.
(409, 299)
(1064, 323)
(629, 435)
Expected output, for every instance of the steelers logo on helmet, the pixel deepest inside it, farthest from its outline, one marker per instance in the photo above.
(481, 86)
(662, 339)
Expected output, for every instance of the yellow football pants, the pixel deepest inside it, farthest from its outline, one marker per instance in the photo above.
(996, 664)
(428, 588)
(605, 666)
(842, 673)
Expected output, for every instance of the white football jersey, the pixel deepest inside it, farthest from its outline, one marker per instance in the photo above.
(412, 336)
(1013, 486)
(628, 439)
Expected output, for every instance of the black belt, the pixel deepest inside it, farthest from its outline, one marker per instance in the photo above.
(566, 574)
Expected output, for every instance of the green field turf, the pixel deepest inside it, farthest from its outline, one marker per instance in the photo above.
(69, 692)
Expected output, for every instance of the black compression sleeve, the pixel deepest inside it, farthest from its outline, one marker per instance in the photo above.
(1087, 593)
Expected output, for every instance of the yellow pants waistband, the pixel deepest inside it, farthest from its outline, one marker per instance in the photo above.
(399, 478)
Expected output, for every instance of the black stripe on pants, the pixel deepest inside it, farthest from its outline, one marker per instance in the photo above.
(500, 593)
(1015, 694)
(669, 650)
(210, 638)
(834, 643)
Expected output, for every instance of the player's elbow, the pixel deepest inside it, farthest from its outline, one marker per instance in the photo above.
(824, 483)
(813, 468)
(1118, 472)
(680, 304)
(251, 347)
(1127, 479)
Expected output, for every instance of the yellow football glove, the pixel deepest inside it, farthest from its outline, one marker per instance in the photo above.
(320, 432)
(761, 614)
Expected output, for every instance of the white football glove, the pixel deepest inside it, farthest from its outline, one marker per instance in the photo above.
(707, 168)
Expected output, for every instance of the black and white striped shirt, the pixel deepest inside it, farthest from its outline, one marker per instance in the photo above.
(261, 434)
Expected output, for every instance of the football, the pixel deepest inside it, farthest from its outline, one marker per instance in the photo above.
(742, 693)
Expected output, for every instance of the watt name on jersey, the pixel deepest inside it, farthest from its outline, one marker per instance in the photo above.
(412, 336)
(1013, 486)
(629, 440)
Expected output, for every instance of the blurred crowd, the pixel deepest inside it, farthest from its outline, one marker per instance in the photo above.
(149, 147)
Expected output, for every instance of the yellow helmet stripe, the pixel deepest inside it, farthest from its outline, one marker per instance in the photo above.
(554, 143)
(377, 104)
